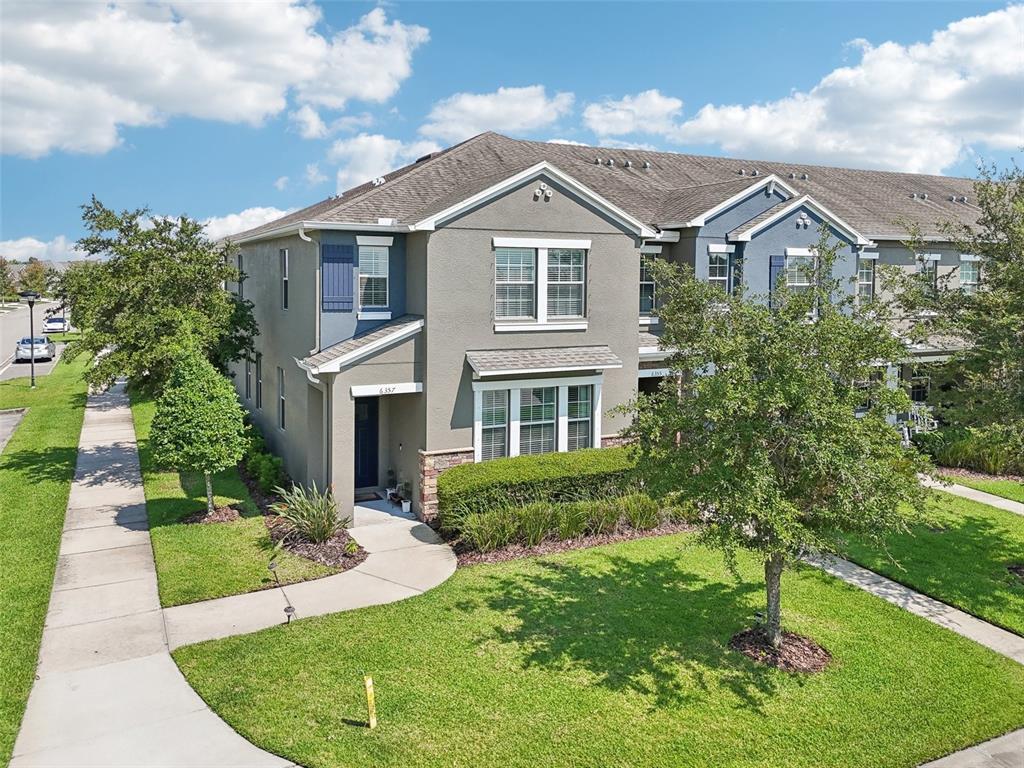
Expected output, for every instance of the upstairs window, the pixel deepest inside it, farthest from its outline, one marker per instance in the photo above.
(718, 271)
(565, 282)
(280, 398)
(259, 380)
(248, 379)
(241, 278)
(928, 268)
(799, 272)
(970, 275)
(373, 276)
(514, 282)
(646, 287)
(282, 256)
(865, 280)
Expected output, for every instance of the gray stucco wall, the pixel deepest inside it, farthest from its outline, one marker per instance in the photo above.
(338, 326)
(284, 335)
(460, 302)
(715, 230)
(892, 253)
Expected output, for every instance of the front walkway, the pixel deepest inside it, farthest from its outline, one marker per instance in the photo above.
(406, 558)
(107, 692)
(975, 495)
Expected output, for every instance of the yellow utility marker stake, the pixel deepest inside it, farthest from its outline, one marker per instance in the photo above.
(371, 706)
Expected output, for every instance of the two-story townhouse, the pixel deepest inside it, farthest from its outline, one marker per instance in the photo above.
(492, 300)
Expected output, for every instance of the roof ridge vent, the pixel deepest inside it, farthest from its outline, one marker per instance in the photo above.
(425, 157)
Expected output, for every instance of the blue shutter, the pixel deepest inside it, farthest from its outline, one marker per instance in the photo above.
(775, 267)
(337, 268)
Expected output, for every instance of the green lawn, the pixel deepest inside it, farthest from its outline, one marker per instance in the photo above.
(36, 469)
(962, 560)
(198, 562)
(613, 656)
(1008, 489)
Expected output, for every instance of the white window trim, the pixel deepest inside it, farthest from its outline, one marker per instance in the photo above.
(380, 390)
(649, 320)
(540, 247)
(652, 373)
(374, 240)
(373, 315)
(801, 252)
(929, 256)
(561, 410)
(969, 257)
(539, 242)
(868, 255)
(523, 326)
(721, 248)
(650, 250)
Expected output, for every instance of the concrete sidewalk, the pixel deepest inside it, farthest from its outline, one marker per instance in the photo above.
(107, 692)
(975, 495)
(406, 558)
(1003, 752)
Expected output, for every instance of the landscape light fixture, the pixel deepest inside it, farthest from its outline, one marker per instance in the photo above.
(31, 297)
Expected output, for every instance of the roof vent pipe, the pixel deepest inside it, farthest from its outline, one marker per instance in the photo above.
(792, 175)
(804, 176)
(963, 198)
(610, 162)
(628, 164)
(597, 160)
(754, 172)
(647, 164)
(913, 195)
(742, 172)
(924, 195)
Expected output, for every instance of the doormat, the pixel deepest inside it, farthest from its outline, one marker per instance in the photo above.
(368, 496)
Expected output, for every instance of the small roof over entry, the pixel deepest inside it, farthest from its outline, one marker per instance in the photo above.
(517, 362)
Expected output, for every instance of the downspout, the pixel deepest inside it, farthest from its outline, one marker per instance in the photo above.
(316, 272)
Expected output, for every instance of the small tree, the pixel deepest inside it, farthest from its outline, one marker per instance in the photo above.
(198, 426)
(8, 287)
(33, 277)
(766, 439)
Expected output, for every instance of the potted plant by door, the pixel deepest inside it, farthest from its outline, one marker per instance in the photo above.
(391, 490)
(405, 492)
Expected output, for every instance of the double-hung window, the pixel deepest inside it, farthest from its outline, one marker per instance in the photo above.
(865, 280)
(514, 283)
(799, 272)
(970, 274)
(929, 271)
(565, 282)
(280, 398)
(248, 379)
(241, 278)
(646, 286)
(718, 271)
(537, 408)
(494, 424)
(259, 380)
(580, 412)
(373, 276)
(282, 256)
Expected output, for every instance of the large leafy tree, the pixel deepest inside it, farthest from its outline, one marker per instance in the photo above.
(33, 277)
(983, 384)
(778, 424)
(8, 286)
(159, 284)
(198, 425)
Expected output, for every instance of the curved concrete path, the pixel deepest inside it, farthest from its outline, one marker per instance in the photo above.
(406, 558)
(107, 692)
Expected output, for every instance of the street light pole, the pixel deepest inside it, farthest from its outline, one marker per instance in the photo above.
(30, 297)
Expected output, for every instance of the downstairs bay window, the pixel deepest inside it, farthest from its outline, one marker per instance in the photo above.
(518, 418)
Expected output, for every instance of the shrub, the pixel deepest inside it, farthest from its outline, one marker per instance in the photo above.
(640, 511)
(553, 477)
(990, 450)
(487, 531)
(267, 470)
(604, 517)
(312, 513)
(572, 519)
(537, 521)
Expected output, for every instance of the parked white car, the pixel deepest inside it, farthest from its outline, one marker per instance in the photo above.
(44, 349)
(56, 324)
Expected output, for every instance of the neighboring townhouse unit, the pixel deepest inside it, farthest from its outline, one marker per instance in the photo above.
(492, 299)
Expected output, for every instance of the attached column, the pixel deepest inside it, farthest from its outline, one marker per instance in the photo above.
(563, 419)
(513, 422)
(597, 415)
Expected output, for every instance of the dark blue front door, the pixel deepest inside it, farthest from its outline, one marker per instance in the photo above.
(366, 442)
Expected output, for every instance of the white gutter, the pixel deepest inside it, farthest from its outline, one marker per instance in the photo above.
(299, 228)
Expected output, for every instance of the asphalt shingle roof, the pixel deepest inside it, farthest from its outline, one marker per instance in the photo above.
(671, 188)
(496, 361)
(333, 352)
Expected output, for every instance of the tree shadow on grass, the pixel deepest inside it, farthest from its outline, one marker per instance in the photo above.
(39, 465)
(648, 627)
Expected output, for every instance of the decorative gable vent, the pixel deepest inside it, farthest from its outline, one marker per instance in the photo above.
(803, 221)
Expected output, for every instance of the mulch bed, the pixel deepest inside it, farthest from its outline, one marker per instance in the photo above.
(1016, 569)
(467, 556)
(972, 475)
(335, 552)
(796, 654)
(219, 515)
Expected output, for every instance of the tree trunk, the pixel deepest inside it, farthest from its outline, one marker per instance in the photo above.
(772, 583)
(209, 494)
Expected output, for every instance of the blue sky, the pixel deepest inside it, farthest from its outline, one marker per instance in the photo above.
(238, 112)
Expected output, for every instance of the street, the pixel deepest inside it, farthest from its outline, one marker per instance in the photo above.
(13, 326)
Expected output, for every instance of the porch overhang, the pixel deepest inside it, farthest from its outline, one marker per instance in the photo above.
(498, 363)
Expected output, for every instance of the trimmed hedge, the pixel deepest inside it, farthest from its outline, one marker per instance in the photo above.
(548, 477)
(990, 451)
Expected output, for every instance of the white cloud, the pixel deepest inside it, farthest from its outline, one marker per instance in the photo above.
(646, 112)
(24, 248)
(509, 110)
(915, 108)
(221, 226)
(368, 156)
(313, 175)
(281, 183)
(308, 122)
(74, 74)
(570, 142)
